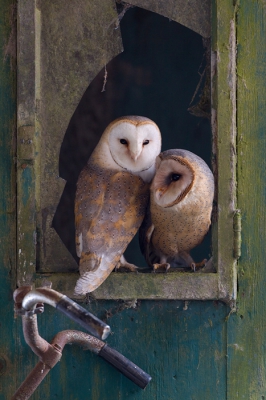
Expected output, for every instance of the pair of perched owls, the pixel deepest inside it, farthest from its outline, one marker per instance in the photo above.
(112, 201)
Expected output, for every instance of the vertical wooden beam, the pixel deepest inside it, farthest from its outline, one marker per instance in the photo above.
(224, 132)
(26, 141)
(246, 329)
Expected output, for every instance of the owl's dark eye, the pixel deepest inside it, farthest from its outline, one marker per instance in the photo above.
(175, 177)
(146, 142)
(123, 141)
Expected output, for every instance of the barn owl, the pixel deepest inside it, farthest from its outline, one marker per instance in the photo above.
(112, 196)
(181, 197)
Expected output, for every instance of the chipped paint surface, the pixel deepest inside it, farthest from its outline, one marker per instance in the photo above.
(246, 328)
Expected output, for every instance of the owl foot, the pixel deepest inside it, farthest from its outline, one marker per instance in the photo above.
(126, 267)
(196, 266)
(161, 267)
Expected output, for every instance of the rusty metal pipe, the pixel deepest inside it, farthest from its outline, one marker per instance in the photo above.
(31, 335)
(116, 359)
(33, 380)
(53, 353)
(73, 310)
(50, 357)
(83, 339)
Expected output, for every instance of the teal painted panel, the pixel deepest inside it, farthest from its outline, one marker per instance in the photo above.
(8, 360)
(181, 345)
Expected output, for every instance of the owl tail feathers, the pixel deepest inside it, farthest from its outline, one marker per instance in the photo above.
(93, 270)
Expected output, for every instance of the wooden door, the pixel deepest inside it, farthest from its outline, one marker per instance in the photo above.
(192, 349)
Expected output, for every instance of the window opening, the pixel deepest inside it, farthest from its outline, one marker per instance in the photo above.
(163, 74)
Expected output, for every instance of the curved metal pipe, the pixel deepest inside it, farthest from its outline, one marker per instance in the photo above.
(31, 335)
(50, 357)
(67, 306)
(86, 341)
(41, 295)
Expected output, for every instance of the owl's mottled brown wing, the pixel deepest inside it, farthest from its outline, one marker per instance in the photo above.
(89, 202)
(109, 209)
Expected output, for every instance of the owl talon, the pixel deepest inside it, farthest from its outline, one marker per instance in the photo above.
(126, 267)
(196, 266)
(161, 267)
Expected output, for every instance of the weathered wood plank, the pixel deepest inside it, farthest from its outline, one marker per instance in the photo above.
(224, 137)
(186, 286)
(246, 328)
(8, 357)
(26, 143)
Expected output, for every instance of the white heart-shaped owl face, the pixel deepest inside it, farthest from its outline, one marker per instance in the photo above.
(133, 144)
(172, 181)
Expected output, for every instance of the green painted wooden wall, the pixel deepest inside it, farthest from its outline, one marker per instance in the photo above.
(193, 350)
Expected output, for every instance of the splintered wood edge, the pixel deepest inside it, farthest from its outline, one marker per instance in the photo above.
(126, 286)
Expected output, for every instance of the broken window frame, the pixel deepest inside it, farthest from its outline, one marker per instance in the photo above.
(226, 229)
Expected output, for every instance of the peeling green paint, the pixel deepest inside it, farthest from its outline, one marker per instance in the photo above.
(26, 181)
(246, 328)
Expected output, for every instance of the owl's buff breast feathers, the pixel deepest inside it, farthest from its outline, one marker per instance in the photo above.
(179, 228)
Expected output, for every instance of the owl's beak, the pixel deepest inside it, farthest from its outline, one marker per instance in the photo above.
(160, 192)
(135, 150)
(135, 155)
